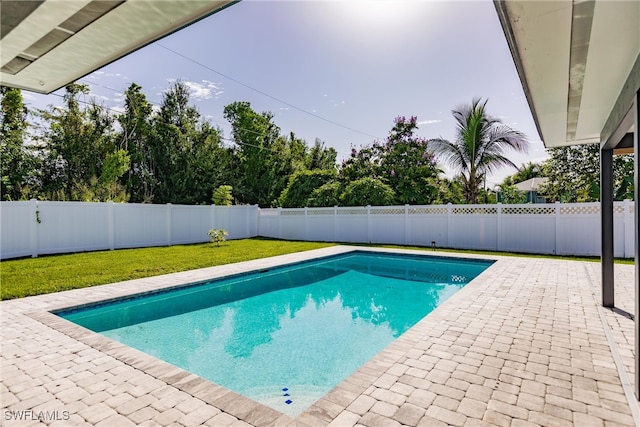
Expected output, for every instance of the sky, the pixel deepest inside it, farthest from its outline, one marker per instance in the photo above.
(340, 71)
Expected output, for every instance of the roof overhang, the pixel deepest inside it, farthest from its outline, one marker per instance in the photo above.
(579, 65)
(48, 44)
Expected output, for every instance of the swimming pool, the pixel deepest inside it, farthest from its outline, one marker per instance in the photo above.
(284, 336)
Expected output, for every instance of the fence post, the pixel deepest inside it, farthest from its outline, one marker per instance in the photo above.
(629, 230)
(449, 238)
(213, 217)
(499, 226)
(369, 223)
(168, 224)
(279, 222)
(256, 209)
(306, 224)
(111, 229)
(406, 224)
(335, 223)
(247, 213)
(33, 230)
(557, 228)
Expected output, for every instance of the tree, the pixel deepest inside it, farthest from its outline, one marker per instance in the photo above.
(222, 196)
(186, 156)
(14, 158)
(79, 148)
(525, 171)
(135, 138)
(573, 174)
(320, 157)
(403, 162)
(407, 164)
(363, 163)
(479, 146)
(301, 186)
(449, 190)
(367, 191)
(511, 195)
(264, 158)
(325, 195)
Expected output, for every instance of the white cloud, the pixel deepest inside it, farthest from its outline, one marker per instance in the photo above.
(204, 90)
(429, 122)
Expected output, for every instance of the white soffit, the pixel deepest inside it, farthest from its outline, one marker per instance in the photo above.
(543, 33)
(613, 49)
(59, 41)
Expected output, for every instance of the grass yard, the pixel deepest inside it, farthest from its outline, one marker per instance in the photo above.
(34, 276)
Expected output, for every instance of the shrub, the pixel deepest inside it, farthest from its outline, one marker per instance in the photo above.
(218, 235)
(367, 191)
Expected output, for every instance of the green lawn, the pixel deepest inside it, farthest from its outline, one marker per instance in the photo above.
(46, 274)
(35, 276)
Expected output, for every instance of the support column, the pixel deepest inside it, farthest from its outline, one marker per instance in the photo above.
(636, 216)
(606, 221)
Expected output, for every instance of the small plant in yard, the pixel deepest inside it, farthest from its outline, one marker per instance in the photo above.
(218, 235)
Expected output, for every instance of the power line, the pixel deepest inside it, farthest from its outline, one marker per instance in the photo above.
(266, 94)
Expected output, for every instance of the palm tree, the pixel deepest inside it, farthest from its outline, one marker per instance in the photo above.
(479, 146)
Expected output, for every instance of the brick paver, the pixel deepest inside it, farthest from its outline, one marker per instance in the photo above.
(524, 344)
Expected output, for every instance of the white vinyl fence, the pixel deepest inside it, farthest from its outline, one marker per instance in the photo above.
(32, 228)
(562, 229)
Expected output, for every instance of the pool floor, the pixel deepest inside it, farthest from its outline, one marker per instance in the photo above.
(286, 347)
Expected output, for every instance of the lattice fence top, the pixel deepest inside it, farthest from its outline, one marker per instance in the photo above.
(320, 212)
(472, 210)
(440, 210)
(579, 210)
(529, 210)
(387, 211)
(353, 211)
(289, 212)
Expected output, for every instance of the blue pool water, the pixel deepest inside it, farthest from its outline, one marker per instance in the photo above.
(286, 336)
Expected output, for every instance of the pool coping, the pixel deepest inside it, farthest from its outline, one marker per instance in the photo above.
(324, 410)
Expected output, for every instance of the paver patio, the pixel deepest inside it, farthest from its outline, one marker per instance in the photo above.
(526, 343)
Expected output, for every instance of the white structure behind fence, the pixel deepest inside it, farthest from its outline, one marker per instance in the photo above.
(32, 228)
(562, 229)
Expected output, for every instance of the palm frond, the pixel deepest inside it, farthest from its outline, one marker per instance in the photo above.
(449, 153)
